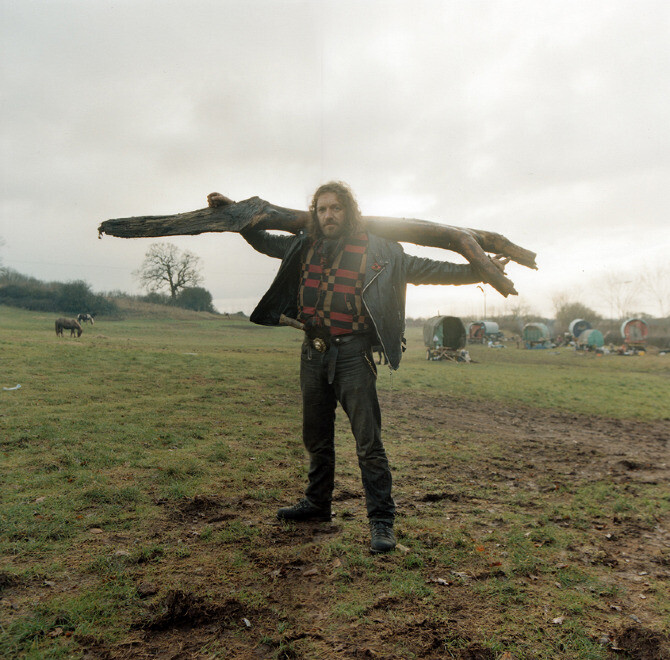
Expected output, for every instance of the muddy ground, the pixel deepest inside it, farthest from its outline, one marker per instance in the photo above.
(545, 455)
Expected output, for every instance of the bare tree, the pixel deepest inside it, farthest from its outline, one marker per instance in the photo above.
(656, 281)
(620, 291)
(166, 267)
(521, 312)
(560, 300)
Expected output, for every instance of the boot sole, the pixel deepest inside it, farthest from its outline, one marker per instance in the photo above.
(306, 518)
(381, 552)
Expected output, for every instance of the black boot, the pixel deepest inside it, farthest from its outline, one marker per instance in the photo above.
(383, 538)
(304, 510)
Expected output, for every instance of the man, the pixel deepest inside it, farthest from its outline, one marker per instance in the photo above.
(348, 288)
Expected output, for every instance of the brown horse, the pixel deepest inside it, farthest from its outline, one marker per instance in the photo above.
(68, 324)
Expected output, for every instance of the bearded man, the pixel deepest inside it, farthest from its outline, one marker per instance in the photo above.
(348, 288)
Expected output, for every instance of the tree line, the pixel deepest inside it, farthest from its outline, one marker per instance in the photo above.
(170, 277)
(17, 290)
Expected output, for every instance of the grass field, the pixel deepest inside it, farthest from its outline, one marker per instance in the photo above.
(142, 465)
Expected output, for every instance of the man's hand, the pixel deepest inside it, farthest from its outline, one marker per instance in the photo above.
(217, 199)
(500, 261)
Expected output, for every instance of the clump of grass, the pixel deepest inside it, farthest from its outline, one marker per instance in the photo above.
(413, 561)
(233, 532)
(220, 452)
(505, 591)
(347, 609)
(111, 495)
(147, 554)
(179, 469)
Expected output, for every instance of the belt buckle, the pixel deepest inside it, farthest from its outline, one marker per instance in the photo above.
(319, 345)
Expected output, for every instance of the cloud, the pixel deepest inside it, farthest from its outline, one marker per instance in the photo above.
(542, 121)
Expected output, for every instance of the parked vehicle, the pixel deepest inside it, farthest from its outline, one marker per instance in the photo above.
(481, 332)
(634, 333)
(536, 335)
(444, 337)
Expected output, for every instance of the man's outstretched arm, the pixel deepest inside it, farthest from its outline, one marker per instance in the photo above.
(262, 241)
(419, 270)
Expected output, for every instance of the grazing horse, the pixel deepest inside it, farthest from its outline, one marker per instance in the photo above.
(85, 318)
(381, 355)
(68, 324)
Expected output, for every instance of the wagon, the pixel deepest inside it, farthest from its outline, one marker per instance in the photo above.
(590, 340)
(634, 333)
(577, 326)
(536, 335)
(480, 332)
(444, 337)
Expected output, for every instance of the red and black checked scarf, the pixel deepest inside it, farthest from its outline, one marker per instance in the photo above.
(330, 294)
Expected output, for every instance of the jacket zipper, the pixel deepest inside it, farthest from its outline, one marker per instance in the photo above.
(372, 318)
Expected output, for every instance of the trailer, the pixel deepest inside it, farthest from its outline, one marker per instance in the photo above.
(536, 335)
(444, 337)
(590, 340)
(577, 326)
(481, 332)
(634, 332)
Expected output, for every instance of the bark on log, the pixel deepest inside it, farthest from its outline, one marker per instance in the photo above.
(473, 244)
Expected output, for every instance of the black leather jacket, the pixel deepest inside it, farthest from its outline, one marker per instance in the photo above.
(387, 273)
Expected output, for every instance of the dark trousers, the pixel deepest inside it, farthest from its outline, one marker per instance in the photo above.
(354, 385)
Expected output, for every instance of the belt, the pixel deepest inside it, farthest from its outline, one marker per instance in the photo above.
(343, 339)
(321, 344)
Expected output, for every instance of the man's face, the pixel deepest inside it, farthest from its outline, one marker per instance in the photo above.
(331, 215)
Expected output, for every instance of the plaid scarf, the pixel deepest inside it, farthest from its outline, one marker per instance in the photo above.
(330, 294)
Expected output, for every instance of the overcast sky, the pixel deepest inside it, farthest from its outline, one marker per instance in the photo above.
(544, 121)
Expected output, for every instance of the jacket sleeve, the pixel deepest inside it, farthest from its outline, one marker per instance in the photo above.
(419, 270)
(273, 245)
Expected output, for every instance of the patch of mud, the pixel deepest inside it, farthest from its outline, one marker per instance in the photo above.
(431, 640)
(643, 644)
(291, 535)
(475, 652)
(549, 447)
(438, 497)
(182, 625)
(180, 609)
(199, 509)
(7, 580)
(194, 507)
(627, 464)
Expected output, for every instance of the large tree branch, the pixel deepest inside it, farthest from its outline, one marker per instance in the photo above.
(473, 244)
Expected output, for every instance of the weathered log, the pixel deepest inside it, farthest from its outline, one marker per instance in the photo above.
(473, 244)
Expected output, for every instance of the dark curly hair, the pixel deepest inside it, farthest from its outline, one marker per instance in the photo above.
(354, 221)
